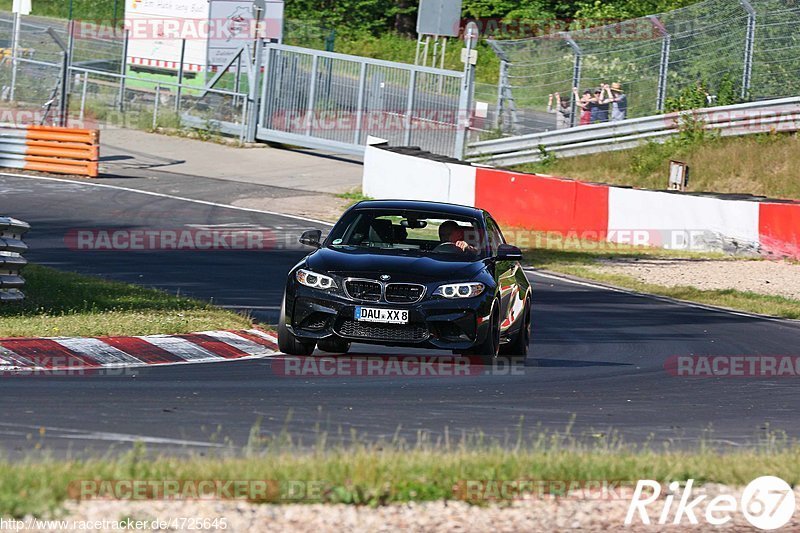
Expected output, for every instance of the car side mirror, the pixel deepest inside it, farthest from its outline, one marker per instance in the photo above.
(311, 238)
(508, 252)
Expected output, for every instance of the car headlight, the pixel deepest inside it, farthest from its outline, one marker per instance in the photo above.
(460, 290)
(314, 280)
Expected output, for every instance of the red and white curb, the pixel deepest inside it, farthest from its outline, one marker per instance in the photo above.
(77, 353)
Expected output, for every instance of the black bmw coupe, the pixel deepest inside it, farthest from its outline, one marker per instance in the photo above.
(408, 273)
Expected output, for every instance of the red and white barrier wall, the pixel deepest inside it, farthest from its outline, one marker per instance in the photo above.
(587, 210)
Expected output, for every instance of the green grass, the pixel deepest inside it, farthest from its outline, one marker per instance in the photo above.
(353, 472)
(579, 257)
(353, 197)
(68, 304)
(764, 164)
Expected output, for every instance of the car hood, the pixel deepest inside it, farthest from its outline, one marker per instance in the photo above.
(371, 263)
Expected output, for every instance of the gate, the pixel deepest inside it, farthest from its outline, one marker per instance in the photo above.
(334, 101)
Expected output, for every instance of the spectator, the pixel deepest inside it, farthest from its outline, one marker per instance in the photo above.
(619, 102)
(603, 98)
(562, 110)
(583, 104)
(594, 106)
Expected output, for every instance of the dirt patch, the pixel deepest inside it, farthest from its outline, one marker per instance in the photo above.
(324, 207)
(541, 513)
(774, 278)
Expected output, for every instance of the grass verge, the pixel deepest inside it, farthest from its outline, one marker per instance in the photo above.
(353, 197)
(68, 304)
(577, 257)
(762, 164)
(382, 473)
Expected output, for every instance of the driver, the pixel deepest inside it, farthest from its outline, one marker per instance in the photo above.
(451, 232)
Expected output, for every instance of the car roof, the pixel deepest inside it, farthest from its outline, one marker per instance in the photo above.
(419, 205)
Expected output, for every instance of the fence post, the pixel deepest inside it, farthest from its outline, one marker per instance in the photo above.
(14, 54)
(83, 94)
(666, 44)
(155, 106)
(312, 95)
(180, 80)
(362, 89)
(576, 74)
(465, 103)
(502, 83)
(123, 71)
(748, 48)
(254, 85)
(409, 123)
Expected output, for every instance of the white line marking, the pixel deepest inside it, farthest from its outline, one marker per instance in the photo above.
(240, 343)
(101, 352)
(63, 433)
(169, 196)
(13, 359)
(254, 307)
(182, 348)
(263, 335)
(660, 298)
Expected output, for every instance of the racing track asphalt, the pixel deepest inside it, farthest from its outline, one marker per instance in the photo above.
(598, 355)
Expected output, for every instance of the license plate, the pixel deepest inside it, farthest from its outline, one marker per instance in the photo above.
(386, 316)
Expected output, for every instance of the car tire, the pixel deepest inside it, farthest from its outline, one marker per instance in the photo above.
(489, 349)
(334, 345)
(518, 347)
(288, 343)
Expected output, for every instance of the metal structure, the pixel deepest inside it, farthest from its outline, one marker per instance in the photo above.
(11, 261)
(779, 115)
(335, 101)
(738, 50)
(266, 91)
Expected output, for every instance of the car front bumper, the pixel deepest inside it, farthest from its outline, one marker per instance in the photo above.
(433, 322)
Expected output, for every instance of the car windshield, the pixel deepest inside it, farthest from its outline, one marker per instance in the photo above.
(412, 231)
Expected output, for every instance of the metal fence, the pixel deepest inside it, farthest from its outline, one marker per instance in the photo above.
(97, 85)
(738, 50)
(11, 261)
(308, 97)
(779, 115)
(336, 101)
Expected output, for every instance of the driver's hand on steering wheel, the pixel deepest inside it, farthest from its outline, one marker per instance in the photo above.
(464, 246)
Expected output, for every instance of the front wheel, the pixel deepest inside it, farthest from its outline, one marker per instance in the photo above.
(489, 349)
(520, 344)
(288, 343)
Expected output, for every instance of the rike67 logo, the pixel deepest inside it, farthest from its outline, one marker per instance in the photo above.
(767, 503)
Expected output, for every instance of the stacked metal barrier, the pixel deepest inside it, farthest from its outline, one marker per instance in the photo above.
(11, 261)
(50, 149)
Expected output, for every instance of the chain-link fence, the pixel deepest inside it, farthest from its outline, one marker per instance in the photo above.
(733, 50)
(309, 97)
(99, 87)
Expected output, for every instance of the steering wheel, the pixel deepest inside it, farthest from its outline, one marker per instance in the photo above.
(447, 247)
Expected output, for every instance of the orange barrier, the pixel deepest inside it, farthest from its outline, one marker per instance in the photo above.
(51, 149)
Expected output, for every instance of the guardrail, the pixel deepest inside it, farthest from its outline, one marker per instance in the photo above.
(11, 261)
(741, 119)
(50, 149)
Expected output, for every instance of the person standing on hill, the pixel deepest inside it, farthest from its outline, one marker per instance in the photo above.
(603, 103)
(562, 110)
(619, 102)
(583, 105)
